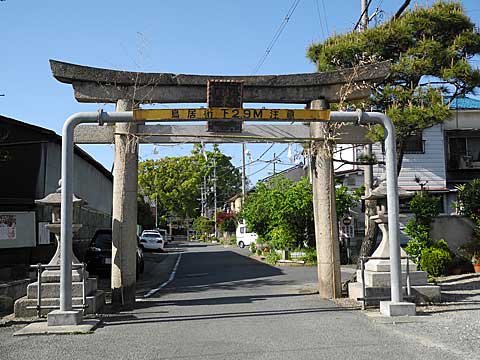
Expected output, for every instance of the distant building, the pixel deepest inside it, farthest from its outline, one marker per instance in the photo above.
(30, 165)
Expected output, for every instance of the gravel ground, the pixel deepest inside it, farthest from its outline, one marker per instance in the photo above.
(452, 326)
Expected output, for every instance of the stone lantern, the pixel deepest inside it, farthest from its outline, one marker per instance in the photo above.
(82, 289)
(377, 271)
(379, 194)
(54, 201)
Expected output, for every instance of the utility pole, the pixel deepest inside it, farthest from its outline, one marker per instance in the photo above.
(156, 212)
(244, 191)
(215, 195)
(274, 161)
(368, 242)
(364, 13)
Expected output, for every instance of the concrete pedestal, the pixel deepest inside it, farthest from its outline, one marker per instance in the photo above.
(390, 308)
(62, 318)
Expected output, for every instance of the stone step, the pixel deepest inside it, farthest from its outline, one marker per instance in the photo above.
(424, 294)
(95, 304)
(52, 290)
(382, 279)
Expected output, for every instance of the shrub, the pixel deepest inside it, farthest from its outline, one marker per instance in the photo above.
(436, 259)
(253, 248)
(272, 257)
(310, 256)
(425, 207)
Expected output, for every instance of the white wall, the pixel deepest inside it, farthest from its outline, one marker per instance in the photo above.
(463, 120)
(89, 183)
(429, 166)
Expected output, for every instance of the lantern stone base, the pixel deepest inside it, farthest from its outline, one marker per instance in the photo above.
(421, 294)
(382, 278)
(26, 306)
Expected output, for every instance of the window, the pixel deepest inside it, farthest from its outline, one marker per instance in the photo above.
(415, 144)
(463, 153)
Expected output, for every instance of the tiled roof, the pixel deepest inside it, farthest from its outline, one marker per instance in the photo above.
(464, 103)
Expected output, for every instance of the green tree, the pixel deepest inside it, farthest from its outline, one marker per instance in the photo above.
(203, 225)
(174, 182)
(429, 49)
(281, 212)
(228, 176)
(145, 217)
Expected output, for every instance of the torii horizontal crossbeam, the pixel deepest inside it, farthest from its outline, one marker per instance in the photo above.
(96, 85)
(190, 134)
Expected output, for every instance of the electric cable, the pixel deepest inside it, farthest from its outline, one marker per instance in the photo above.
(276, 36)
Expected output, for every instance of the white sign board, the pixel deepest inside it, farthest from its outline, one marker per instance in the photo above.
(17, 229)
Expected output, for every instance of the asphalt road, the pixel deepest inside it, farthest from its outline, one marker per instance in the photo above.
(224, 305)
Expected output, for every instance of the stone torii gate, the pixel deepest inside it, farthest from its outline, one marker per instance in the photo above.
(128, 90)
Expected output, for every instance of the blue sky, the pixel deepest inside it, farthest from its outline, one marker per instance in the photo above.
(197, 37)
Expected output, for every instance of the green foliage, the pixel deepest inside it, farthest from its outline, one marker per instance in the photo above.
(281, 211)
(253, 248)
(227, 222)
(424, 207)
(345, 200)
(282, 238)
(468, 204)
(145, 217)
(435, 41)
(436, 259)
(468, 200)
(310, 256)
(203, 225)
(272, 257)
(174, 182)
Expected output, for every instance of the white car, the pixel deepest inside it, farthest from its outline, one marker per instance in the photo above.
(152, 240)
(162, 232)
(245, 238)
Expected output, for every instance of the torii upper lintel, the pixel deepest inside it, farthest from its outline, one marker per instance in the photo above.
(96, 85)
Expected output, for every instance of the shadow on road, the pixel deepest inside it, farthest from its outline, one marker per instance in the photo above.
(130, 319)
(223, 269)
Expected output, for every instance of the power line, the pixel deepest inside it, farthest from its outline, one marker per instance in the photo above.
(325, 15)
(317, 7)
(276, 36)
(269, 162)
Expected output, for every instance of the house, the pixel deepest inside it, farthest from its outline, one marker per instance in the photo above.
(30, 168)
(442, 156)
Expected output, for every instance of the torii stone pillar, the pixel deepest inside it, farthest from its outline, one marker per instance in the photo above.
(325, 216)
(124, 215)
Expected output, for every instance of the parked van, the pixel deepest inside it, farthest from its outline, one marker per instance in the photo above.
(244, 236)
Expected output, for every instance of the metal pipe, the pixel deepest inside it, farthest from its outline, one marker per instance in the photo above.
(364, 292)
(67, 193)
(39, 290)
(84, 289)
(392, 189)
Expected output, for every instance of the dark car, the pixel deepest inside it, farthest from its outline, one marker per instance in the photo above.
(99, 254)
